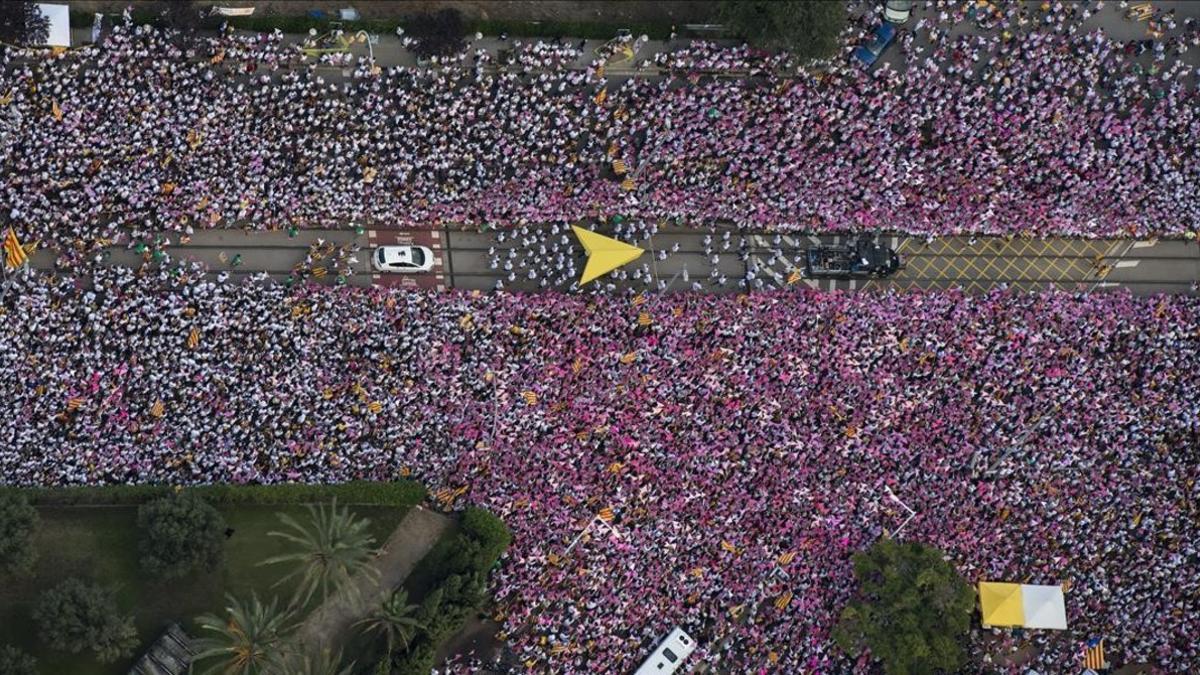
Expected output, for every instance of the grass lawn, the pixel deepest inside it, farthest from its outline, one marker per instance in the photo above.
(100, 543)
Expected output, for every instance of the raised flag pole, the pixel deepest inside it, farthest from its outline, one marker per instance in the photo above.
(911, 513)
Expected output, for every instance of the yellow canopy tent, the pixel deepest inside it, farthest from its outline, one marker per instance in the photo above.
(1001, 604)
(605, 254)
(1026, 605)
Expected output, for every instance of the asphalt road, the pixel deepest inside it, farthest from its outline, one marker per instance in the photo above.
(463, 261)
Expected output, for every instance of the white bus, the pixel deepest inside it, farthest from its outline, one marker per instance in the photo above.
(669, 655)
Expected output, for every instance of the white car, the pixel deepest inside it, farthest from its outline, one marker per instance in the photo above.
(403, 259)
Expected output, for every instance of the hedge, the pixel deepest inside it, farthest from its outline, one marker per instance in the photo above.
(398, 493)
(301, 23)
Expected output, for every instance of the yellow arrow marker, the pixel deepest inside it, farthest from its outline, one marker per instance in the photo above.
(605, 254)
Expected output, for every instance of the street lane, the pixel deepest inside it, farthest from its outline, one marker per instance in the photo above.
(463, 261)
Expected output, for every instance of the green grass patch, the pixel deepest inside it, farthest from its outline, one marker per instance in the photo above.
(100, 543)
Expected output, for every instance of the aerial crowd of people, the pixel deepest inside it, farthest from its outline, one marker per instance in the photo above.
(1043, 128)
(710, 462)
(1044, 438)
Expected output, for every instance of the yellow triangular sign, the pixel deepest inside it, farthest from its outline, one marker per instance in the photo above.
(605, 254)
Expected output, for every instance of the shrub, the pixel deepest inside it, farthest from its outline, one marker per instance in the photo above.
(18, 521)
(489, 532)
(13, 661)
(75, 616)
(457, 567)
(180, 534)
(417, 661)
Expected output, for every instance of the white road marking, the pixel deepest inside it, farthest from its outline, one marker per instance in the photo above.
(1107, 284)
(815, 241)
(1145, 244)
(813, 284)
(1127, 263)
(833, 284)
(769, 271)
(895, 243)
(853, 284)
(791, 241)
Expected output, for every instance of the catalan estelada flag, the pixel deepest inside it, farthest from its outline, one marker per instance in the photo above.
(14, 254)
(1093, 654)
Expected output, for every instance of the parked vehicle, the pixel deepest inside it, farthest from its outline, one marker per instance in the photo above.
(869, 53)
(403, 259)
(669, 655)
(862, 258)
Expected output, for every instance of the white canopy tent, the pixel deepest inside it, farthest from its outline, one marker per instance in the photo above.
(1044, 607)
(60, 24)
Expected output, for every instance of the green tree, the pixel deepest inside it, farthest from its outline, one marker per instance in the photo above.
(18, 522)
(250, 640)
(810, 29)
(180, 534)
(21, 23)
(912, 610)
(333, 547)
(440, 34)
(76, 616)
(13, 661)
(395, 619)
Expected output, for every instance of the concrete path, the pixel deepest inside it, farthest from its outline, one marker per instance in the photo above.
(329, 624)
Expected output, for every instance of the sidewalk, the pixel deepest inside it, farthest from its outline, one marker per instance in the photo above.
(328, 625)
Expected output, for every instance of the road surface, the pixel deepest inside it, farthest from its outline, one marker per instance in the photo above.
(463, 261)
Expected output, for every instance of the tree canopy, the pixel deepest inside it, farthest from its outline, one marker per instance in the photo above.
(13, 661)
(22, 24)
(439, 34)
(912, 610)
(180, 534)
(18, 521)
(76, 616)
(807, 28)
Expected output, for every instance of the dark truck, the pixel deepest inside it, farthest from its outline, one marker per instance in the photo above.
(861, 258)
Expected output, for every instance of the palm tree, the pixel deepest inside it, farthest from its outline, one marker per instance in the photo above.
(328, 552)
(395, 619)
(249, 641)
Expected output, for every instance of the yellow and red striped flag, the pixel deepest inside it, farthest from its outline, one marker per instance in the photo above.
(193, 339)
(606, 514)
(786, 558)
(783, 601)
(1093, 655)
(14, 254)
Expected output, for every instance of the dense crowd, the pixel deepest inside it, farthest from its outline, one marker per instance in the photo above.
(1044, 438)
(1034, 125)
